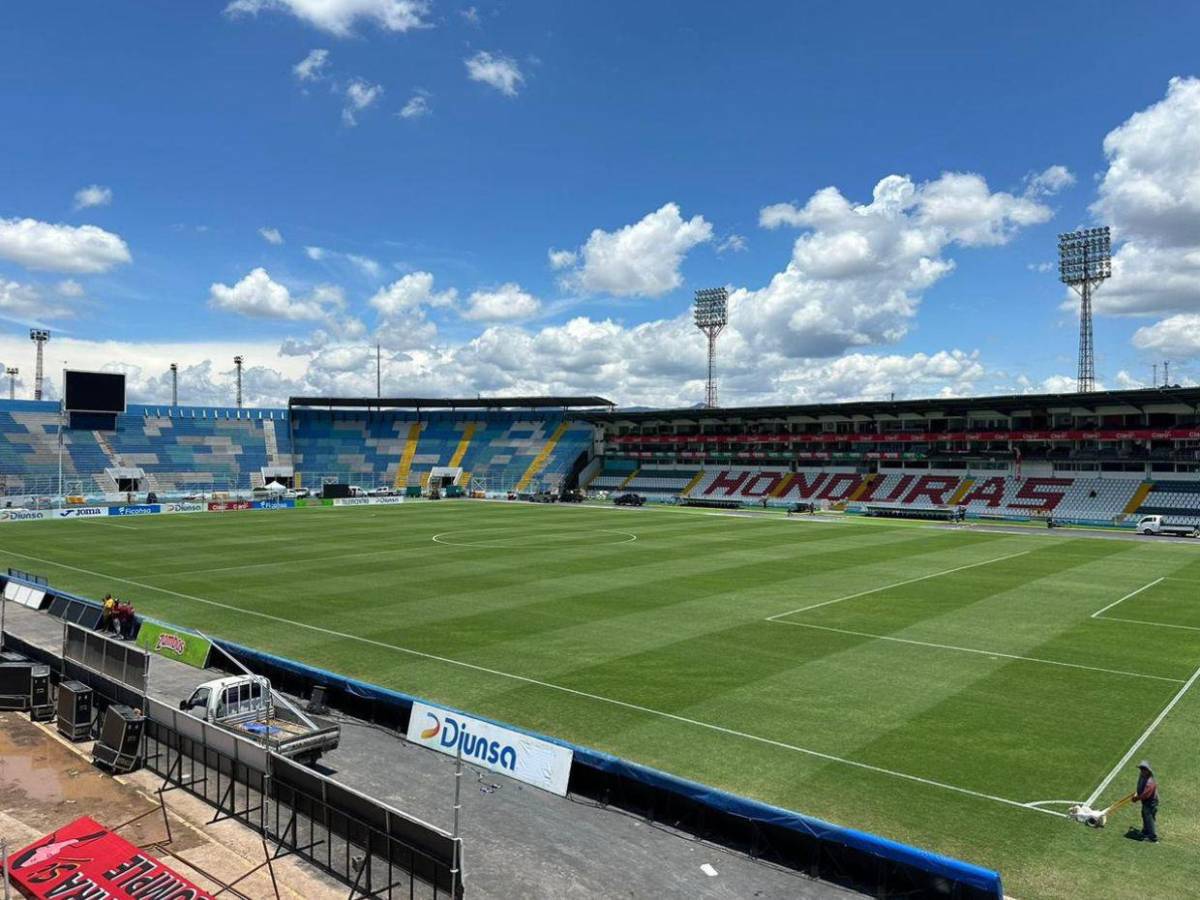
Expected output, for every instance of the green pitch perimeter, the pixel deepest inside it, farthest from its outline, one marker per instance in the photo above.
(921, 683)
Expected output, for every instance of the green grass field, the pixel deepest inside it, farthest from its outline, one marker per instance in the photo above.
(924, 684)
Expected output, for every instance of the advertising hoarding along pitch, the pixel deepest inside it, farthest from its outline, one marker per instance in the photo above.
(512, 753)
(174, 644)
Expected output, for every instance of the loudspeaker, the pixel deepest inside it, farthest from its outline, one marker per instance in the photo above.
(75, 710)
(317, 704)
(335, 491)
(120, 745)
(41, 709)
(15, 683)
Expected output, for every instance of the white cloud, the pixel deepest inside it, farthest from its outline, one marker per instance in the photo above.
(561, 259)
(417, 106)
(314, 253)
(412, 292)
(504, 304)
(497, 70)
(312, 67)
(258, 296)
(858, 271)
(339, 16)
(470, 14)
(369, 267)
(93, 195)
(1176, 337)
(641, 259)
(61, 248)
(359, 95)
(271, 235)
(1049, 181)
(735, 243)
(1150, 193)
(70, 288)
(26, 303)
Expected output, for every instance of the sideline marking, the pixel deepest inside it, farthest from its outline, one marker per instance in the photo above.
(1038, 803)
(1137, 745)
(1154, 624)
(558, 687)
(888, 587)
(1144, 587)
(1033, 659)
(628, 538)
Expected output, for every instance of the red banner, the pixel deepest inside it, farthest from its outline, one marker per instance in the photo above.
(228, 505)
(917, 437)
(86, 860)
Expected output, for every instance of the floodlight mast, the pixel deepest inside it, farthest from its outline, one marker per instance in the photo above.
(712, 315)
(12, 372)
(1084, 262)
(39, 336)
(237, 365)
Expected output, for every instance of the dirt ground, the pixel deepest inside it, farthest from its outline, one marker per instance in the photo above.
(46, 782)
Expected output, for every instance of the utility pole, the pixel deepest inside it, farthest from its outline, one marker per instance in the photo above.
(237, 364)
(174, 384)
(1156, 374)
(1166, 373)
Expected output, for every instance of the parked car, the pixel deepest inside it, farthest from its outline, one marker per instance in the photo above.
(629, 500)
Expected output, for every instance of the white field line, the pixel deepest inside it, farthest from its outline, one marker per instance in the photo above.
(887, 587)
(1152, 624)
(555, 687)
(1144, 587)
(1032, 659)
(1137, 745)
(1038, 803)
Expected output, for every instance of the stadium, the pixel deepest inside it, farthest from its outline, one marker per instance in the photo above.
(725, 640)
(565, 451)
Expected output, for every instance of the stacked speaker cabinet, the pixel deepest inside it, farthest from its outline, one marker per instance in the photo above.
(119, 748)
(41, 707)
(74, 710)
(16, 677)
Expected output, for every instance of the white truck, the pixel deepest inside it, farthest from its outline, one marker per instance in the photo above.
(1161, 525)
(246, 704)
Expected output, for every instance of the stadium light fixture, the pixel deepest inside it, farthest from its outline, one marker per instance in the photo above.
(174, 384)
(237, 364)
(12, 372)
(711, 316)
(1084, 262)
(39, 336)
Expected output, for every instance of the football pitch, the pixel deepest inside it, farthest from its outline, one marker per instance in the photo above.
(950, 688)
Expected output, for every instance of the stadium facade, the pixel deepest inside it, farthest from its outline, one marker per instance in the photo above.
(1105, 457)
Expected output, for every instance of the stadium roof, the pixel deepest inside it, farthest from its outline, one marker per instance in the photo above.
(449, 402)
(1098, 402)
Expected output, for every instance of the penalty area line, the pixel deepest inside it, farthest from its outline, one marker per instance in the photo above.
(720, 729)
(1131, 594)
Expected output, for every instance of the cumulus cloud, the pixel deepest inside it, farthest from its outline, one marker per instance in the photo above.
(258, 296)
(1150, 193)
(497, 70)
(417, 106)
(340, 16)
(271, 235)
(858, 271)
(93, 195)
(734, 243)
(69, 287)
(28, 304)
(1175, 337)
(412, 292)
(312, 67)
(1049, 181)
(81, 249)
(314, 253)
(359, 95)
(504, 304)
(641, 259)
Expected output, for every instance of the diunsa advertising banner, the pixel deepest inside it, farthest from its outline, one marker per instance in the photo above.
(520, 756)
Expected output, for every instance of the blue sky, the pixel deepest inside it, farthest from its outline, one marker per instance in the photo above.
(409, 184)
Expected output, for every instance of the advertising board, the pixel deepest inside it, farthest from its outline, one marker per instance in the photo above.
(273, 504)
(229, 505)
(85, 859)
(80, 512)
(23, 515)
(513, 753)
(137, 509)
(352, 501)
(174, 644)
(386, 501)
(184, 507)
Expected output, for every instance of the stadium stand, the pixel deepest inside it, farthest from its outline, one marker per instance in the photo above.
(1179, 501)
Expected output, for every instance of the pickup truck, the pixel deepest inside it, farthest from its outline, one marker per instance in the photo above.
(1160, 525)
(246, 704)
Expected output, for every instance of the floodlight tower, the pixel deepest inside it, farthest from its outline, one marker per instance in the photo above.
(711, 317)
(237, 364)
(174, 384)
(12, 372)
(39, 336)
(1084, 262)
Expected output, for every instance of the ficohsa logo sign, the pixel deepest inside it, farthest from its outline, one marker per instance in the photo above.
(521, 756)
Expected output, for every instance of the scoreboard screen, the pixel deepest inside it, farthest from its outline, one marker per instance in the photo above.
(100, 392)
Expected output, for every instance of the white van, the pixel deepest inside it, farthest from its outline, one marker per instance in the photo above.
(1159, 525)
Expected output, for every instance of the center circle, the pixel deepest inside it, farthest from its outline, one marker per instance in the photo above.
(585, 538)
